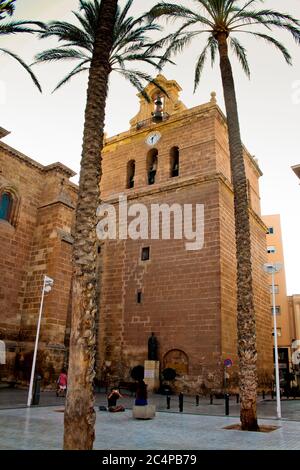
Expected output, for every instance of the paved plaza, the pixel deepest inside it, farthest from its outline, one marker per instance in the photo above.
(197, 428)
(42, 429)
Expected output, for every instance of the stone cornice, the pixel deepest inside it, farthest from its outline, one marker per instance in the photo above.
(15, 153)
(258, 219)
(168, 186)
(3, 132)
(62, 201)
(59, 167)
(296, 170)
(191, 113)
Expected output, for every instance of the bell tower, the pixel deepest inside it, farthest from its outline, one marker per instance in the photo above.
(171, 160)
(161, 106)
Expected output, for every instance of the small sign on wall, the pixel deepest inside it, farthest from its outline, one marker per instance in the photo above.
(2, 353)
(149, 374)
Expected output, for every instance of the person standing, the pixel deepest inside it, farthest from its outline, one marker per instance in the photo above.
(141, 394)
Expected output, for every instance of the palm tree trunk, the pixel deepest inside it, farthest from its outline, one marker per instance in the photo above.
(80, 416)
(245, 305)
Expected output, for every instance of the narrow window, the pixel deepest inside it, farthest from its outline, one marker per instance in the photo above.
(145, 253)
(152, 165)
(174, 162)
(139, 297)
(5, 206)
(270, 231)
(130, 174)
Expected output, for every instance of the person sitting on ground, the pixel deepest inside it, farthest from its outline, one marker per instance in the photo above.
(112, 401)
(62, 383)
(141, 394)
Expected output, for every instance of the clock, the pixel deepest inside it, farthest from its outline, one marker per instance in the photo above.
(153, 138)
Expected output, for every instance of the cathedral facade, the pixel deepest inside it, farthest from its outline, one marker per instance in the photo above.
(171, 162)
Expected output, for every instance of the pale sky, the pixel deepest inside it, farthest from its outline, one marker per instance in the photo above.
(48, 127)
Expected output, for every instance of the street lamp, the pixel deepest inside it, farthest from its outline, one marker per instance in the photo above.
(273, 269)
(47, 286)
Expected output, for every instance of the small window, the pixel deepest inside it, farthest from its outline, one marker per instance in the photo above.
(139, 297)
(130, 174)
(277, 310)
(279, 332)
(276, 289)
(6, 202)
(145, 253)
(271, 249)
(270, 231)
(174, 162)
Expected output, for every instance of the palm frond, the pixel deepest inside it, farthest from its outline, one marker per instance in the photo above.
(241, 54)
(60, 54)
(77, 70)
(7, 7)
(274, 42)
(24, 65)
(199, 66)
(68, 33)
(213, 46)
(14, 27)
(171, 11)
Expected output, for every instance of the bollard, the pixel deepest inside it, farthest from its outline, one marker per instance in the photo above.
(272, 394)
(168, 402)
(197, 400)
(36, 390)
(180, 402)
(226, 404)
(211, 399)
(263, 395)
(237, 398)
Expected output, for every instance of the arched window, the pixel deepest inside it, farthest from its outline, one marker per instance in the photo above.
(130, 174)
(174, 162)
(9, 205)
(152, 163)
(6, 202)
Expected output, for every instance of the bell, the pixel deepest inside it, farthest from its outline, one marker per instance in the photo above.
(158, 110)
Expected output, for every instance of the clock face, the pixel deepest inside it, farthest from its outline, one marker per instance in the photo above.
(153, 138)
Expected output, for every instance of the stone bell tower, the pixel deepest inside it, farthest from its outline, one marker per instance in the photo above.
(152, 284)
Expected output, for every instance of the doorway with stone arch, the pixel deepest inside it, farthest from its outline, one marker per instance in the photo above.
(178, 360)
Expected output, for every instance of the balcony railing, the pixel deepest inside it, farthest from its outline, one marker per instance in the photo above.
(150, 121)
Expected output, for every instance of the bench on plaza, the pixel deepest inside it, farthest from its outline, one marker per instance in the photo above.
(143, 412)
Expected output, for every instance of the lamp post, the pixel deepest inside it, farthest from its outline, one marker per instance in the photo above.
(273, 269)
(47, 285)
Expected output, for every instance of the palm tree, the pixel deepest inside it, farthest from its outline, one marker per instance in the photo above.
(221, 21)
(7, 7)
(106, 40)
(13, 27)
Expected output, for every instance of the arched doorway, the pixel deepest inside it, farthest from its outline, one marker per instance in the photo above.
(178, 360)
